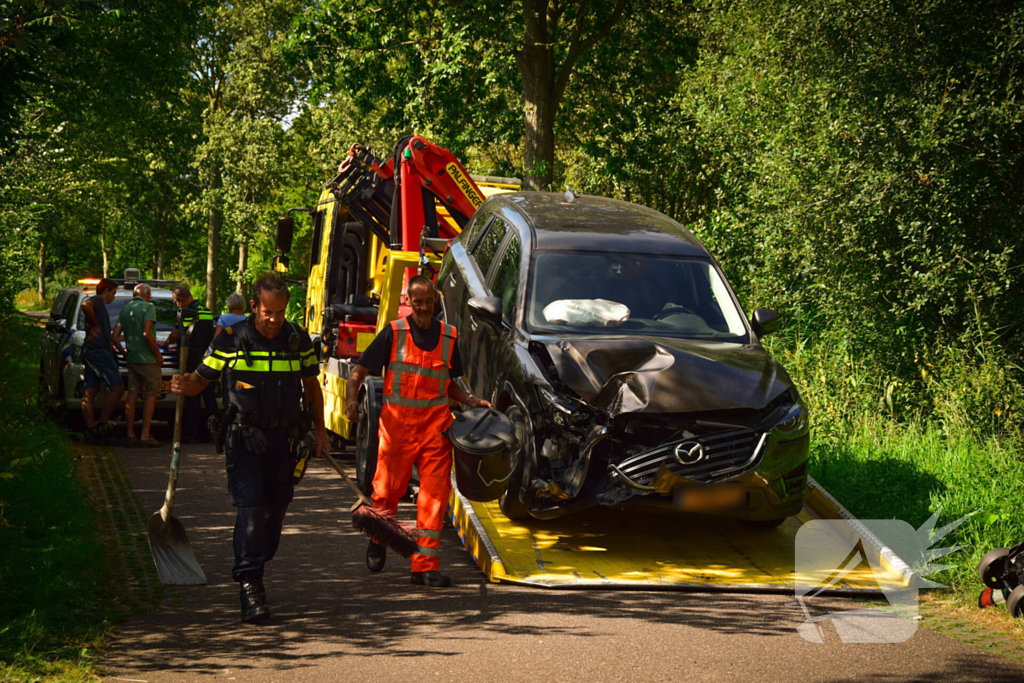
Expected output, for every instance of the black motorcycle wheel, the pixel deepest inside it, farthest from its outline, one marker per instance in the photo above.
(992, 567)
(509, 502)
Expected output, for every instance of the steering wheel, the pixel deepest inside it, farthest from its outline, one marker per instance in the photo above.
(672, 310)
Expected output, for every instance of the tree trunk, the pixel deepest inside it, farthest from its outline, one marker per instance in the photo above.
(42, 271)
(539, 119)
(103, 248)
(544, 80)
(212, 237)
(161, 246)
(243, 264)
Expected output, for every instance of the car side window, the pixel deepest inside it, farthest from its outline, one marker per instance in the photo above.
(69, 309)
(57, 309)
(506, 277)
(488, 246)
(475, 229)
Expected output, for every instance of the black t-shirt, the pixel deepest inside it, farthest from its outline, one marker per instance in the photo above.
(224, 351)
(99, 308)
(377, 355)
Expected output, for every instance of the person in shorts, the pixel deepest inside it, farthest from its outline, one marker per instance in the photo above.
(100, 362)
(136, 323)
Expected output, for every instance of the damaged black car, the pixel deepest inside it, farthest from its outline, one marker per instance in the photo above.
(608, 334)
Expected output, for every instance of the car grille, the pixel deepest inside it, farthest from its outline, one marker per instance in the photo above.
(726, 453)
(170, 360)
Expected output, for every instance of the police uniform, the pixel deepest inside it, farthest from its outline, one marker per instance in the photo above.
(268, 423)
(195, 418)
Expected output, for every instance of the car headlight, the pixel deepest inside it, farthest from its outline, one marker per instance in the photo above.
(561, 410)
(792, 424)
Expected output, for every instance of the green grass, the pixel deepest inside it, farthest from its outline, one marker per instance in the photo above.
(28, 300)
(880, 470)
(58, 596)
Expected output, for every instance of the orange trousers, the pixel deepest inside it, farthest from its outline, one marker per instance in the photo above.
(414, 436)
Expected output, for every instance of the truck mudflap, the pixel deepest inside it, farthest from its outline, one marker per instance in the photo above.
(612, 548)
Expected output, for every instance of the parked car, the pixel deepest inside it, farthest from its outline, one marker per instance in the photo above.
(610, 336)
(61, 370)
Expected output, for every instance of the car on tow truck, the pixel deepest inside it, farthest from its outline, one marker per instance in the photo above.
(611, 338)
(61, 368)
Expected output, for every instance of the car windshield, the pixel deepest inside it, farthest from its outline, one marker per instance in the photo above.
(638, 294)
(166, 313)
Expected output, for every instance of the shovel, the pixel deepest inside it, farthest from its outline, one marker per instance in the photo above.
(175, 561)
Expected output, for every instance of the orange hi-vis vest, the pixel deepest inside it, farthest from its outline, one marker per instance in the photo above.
(417, 378)
(412, 423)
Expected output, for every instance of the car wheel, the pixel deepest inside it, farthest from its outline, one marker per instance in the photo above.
(509, 502)
(992, 567)
(367, 436)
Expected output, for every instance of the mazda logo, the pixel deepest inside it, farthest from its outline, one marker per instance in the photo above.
(689, 453)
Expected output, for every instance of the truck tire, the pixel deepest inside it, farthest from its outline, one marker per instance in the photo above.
(371, 398)
(509, 502)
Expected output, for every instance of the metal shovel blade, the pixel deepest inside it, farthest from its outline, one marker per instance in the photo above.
(175, 561)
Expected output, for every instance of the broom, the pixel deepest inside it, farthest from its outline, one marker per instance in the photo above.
(380, 527)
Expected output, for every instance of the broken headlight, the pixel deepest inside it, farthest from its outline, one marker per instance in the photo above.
(563, 411)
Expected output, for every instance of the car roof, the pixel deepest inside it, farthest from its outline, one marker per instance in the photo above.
(593, 223)
(122, 293)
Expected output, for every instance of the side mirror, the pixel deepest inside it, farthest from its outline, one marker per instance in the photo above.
(486, 309)
(283, 236)
(765, 321)
(279, 264)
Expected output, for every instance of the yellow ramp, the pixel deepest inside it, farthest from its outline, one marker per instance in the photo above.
(607, 547)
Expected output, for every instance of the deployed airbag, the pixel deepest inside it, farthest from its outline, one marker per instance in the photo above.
(589, 312)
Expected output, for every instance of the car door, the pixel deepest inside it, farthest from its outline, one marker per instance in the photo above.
(479, 265)
(496, 353)
(52, 338)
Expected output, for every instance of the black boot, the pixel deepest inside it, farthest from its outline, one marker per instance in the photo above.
(432, 579)
(253, 608)
(261, 592)
(375, 556)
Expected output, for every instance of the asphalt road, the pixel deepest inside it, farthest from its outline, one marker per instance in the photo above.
(334, 621)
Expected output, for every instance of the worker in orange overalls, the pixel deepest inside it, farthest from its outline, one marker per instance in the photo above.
(419, 358)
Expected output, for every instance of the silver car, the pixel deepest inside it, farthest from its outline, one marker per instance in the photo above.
(61, 369)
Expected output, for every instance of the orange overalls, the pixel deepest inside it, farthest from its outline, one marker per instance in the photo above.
(412, 422)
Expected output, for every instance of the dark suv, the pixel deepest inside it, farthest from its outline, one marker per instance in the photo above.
(61, 369)
(609, 335)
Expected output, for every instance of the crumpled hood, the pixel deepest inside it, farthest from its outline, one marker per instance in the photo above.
(633, 375)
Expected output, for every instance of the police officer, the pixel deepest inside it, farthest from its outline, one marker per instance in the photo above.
(194, 421)
(272, 373)
(420, 359)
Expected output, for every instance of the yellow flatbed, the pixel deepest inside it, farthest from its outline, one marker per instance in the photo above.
(619, 548)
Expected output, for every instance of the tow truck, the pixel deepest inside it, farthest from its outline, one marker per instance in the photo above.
(378, 222)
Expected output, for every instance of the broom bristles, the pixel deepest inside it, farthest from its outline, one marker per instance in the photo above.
(385, 530)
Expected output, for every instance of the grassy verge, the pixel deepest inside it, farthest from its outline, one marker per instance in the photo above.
(882, 470)
(28, 300)
(59, 594)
